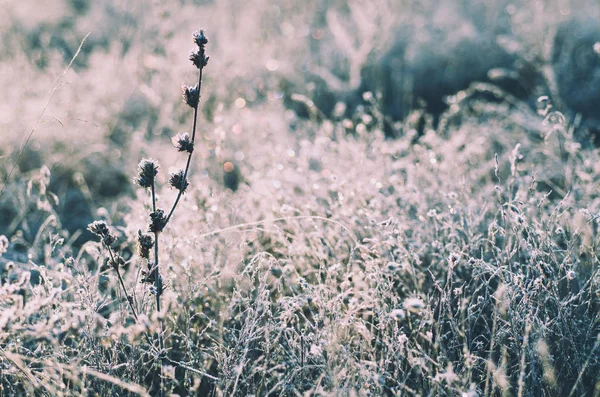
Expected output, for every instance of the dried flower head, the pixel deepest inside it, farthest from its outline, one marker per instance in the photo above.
(100, 229)
(147, 170)
(148, 275)
(145, 244)
(183, 143)
(117, 262)
(178, 180)
(158, 221)
(191, 95)
(199, 58)
(199, 38)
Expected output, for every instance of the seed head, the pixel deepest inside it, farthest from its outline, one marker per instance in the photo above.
(178, 180)
(118, 262)
(145, 244)
(199, 58)
(191, 95)
(158, 221)
(147, 170)
(100, 229)
(199, 38)
(148, 275)
(183, 143)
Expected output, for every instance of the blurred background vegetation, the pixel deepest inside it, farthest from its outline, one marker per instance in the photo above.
(316, 58)
(417, 125)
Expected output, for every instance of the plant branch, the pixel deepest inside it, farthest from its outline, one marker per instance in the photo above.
(157, 281)
(158, 287)
(189, 159)
(127, 296)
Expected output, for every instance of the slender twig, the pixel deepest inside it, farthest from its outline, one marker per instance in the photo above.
(127, 296)
(156, 267)
(189, 159)
(100, 229)
(158, 286)
(191, 369)
(272, 220)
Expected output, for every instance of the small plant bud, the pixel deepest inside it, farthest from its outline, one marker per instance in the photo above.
(157, 221)
(109, 239)
(199, 38)
(148, 275)
(148, 169)
(191, 95)
(178, 180)
(145, 244)
(118, 262)
(100, 229)
(199, 58)
(183, 143)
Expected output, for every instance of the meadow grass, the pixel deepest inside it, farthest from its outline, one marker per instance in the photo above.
(308, 256)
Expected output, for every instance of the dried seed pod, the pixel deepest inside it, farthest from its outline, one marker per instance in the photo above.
(145, 244)
(158, 221)
(183, 143)
(191, 95)
(199, 38)
(147, 170)
(100, 229)
(178, 180)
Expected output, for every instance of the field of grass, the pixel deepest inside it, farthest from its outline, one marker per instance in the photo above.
(386, 198)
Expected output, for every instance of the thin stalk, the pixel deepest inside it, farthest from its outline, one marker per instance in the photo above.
(129, 299)
(156, 271)
(189, 159)
(124, 288)
(158, 286)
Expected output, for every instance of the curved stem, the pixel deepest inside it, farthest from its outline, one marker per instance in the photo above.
(130, 301)
(189, 159)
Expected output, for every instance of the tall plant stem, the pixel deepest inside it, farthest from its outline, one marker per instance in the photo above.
(189, 159)
(157, 278)
(158, 287)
